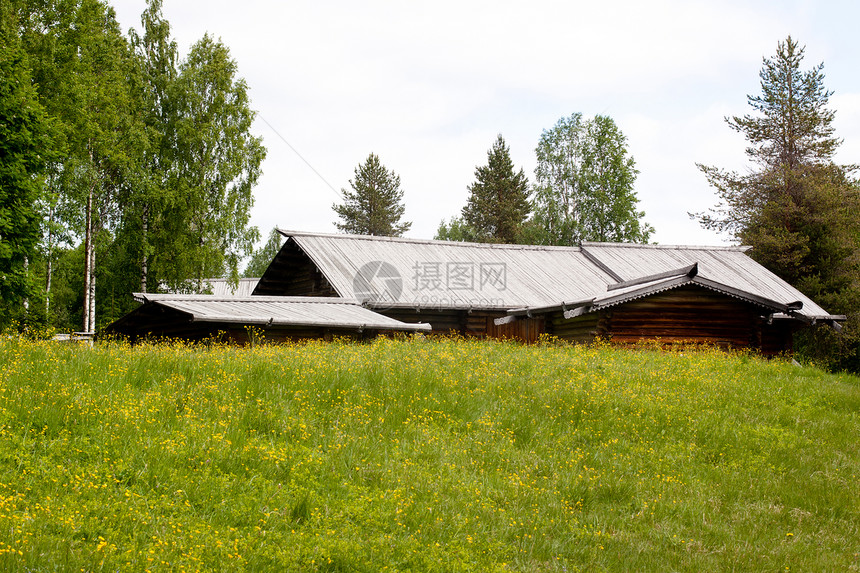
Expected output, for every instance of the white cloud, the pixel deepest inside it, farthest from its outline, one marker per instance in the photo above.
(427, 86)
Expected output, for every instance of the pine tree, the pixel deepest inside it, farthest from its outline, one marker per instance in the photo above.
(375, 204)
(796, 207)
(798, 210)
(498, 203)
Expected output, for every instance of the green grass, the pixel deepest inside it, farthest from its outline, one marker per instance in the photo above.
(423, 455)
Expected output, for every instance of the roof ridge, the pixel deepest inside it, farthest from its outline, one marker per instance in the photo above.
(512, 246)
(505, 246)
(737, 248)
(240, 279)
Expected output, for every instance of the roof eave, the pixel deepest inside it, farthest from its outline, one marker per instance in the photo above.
(161, 297)
(598, 303)
(322, 324)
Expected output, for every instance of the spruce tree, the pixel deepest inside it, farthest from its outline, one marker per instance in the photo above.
(375, 204)
(498, 203)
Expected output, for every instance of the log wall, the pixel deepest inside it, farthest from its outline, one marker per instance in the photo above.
(683, 315)
(582, 329)
(292, 273)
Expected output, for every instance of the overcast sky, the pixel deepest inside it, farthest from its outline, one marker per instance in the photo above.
(428, 86)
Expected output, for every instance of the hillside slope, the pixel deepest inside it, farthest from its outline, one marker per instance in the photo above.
(423, 455)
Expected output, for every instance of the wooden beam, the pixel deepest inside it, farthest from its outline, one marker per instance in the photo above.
(568, 314)
(599, 264)
(689, 271)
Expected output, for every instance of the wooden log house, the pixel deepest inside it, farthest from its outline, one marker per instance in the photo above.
(624, 293)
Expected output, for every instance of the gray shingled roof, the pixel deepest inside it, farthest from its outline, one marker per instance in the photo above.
(445, 274)
(220, 287)
(279, 311)
(668, 280)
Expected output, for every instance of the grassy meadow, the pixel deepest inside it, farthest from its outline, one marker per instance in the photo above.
(423, 455)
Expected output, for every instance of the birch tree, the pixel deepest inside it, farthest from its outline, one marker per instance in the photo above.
(216, 166)
(157, 58)
(84, 70)
(584, 183)
(26, 145)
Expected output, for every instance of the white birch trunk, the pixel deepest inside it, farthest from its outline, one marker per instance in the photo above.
(88, 247)
(92, 289)
(144, 266)
(26, 273)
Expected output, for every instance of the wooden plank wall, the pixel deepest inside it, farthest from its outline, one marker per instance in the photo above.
(687, 314)
(526, 330)
(180, 328)
(778, 337)
(684, 315)
(582, 329)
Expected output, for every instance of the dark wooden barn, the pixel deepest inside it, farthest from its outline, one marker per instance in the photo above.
(621, 292)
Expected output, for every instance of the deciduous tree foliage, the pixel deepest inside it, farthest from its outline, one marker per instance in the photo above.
(498, 203)
(584, 185)
(158, 165)
(216, 166)
(157, 58)
(798, 210)
(455, 229)
(83, 68)
(26, 145)
(374, 206)
(262, 257)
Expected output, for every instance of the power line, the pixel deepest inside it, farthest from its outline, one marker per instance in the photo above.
(296, 151)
